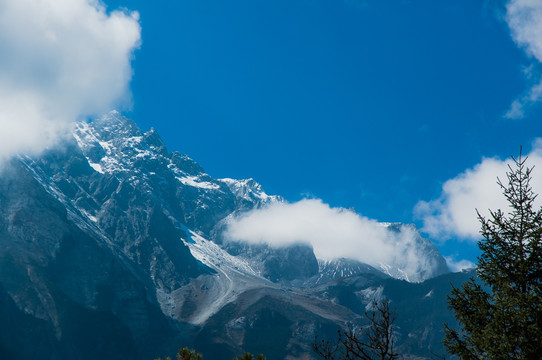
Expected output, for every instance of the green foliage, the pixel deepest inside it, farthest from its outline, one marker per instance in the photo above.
(185, 354)
(188, 354)
(249, 356)
(377, 341)
(501, 317)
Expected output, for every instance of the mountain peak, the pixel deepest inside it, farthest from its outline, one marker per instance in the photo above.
(114, 125)
(250, 190)
(113, 143)
(154, 141)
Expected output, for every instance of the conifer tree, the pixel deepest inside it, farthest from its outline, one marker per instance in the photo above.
(188, 354)
(185, 354)
(249, 356)
(500, 313)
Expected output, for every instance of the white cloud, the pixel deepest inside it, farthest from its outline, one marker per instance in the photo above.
(60, 60)
(459, 265)
(453, 214)
(518, 107)
(524, 17)
(334, 233)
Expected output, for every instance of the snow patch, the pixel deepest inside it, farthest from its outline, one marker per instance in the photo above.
(214, 256)
(96, 167)
(371, 295)
(250, 190)
(193, 181)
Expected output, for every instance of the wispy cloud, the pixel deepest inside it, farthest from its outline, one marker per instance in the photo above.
(459, 265)
(60, 60)
(333, 233)
(453, 214)
(524, 17)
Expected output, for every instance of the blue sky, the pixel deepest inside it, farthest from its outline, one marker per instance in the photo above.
(370, 104)
(403, 110)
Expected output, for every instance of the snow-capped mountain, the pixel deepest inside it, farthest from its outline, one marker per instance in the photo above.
(114, 145)
(116, 232)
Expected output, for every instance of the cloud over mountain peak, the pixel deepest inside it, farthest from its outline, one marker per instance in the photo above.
(61, 60)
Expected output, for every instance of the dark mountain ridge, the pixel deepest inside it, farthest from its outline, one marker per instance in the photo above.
(111, 247)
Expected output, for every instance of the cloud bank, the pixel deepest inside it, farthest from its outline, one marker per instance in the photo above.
(453, 214)
(60, 60)
(524, 18)
(334, 233)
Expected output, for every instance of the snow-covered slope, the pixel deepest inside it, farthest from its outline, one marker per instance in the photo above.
(251, 191)
(113, 144)
(233, 276)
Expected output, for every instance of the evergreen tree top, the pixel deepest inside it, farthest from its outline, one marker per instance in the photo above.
(500, 315)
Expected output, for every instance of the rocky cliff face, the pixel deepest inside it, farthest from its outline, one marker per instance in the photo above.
(111, 247)
(68, 286)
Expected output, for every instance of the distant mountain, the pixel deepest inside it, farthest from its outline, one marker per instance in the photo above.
(112, 247)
